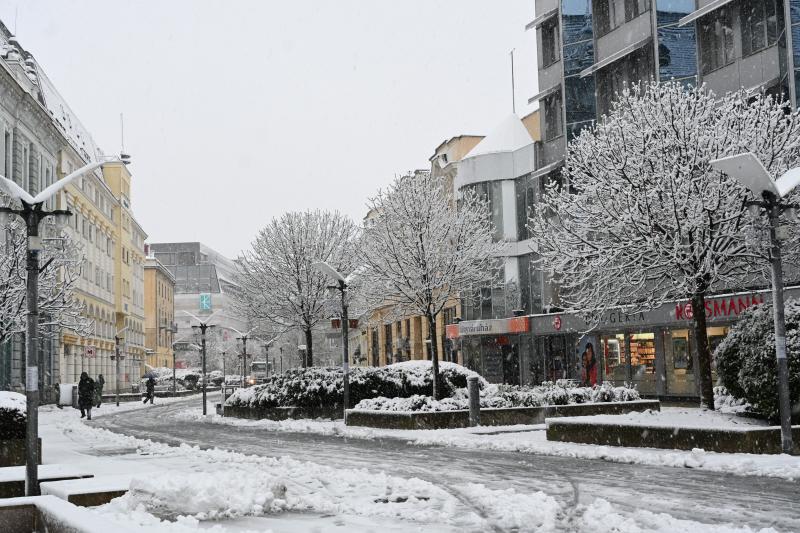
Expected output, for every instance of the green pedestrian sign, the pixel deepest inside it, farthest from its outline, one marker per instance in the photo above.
(205, 302)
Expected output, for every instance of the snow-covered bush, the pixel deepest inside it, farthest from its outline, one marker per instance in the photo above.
(507, 396)
(746, 362)
(323, 387)
(12, 415)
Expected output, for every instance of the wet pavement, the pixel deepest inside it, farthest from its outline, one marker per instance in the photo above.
(681, 492)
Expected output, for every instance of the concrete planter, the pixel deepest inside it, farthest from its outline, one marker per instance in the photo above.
(762, 440)
(490, 417)
(280, 413)
(12, 452)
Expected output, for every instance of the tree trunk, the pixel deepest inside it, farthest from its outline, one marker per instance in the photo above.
(308, 360)
(703, 350)
(437, 386)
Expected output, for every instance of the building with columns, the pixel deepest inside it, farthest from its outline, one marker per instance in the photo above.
(43, 141)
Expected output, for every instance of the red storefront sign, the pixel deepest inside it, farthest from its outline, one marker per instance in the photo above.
(719, 308)
(519, 324)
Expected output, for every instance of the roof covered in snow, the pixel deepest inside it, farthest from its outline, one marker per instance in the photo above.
(508, 136)
(40, 86)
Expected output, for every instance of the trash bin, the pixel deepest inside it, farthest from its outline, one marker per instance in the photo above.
(68, 395)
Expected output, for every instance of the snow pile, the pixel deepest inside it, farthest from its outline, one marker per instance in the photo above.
(13, 401)
(12, 415)
(725, 402)
(323, 387)
(601, 517)
(677, 417)
(507, 396)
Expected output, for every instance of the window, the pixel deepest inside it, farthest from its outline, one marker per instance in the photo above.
(634, 8)
(612, 80)
(7, 154)
(759, 25)
(527, 192)
(553, 120)
(716, 40)
(611, 14)
(551, 42)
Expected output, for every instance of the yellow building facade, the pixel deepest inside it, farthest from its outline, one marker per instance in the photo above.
(159, 313)
(129, 260)
(111, 287)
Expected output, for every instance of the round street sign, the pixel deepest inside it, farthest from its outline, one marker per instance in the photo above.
(557, 323)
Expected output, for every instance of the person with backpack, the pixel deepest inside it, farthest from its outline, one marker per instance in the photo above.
(85, 395)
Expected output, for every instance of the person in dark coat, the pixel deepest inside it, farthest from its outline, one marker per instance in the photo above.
(98, 390)
(151, 389)
(85, 395)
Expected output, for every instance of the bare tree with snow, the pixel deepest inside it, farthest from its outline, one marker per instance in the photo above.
(645, 219)
(278, 283)
(60, 270)
(420, 251)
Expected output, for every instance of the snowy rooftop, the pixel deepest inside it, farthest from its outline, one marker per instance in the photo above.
(63, 116)
(508, 136)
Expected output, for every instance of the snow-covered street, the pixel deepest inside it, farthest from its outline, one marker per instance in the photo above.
(331, 482)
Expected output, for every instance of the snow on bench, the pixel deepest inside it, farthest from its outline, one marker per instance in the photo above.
(55, 515)
(88, 492)
(12, 478)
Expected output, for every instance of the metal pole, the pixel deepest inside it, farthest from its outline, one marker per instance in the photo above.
(474, 401)
(32, 359)
(773, 211)
(345, 359)
(203, 328)
(174, 388)
(244, 357)
(116, 362)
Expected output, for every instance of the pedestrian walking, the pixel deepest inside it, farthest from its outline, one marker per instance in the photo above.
(85, 395)
(98, 390)
(151, 389)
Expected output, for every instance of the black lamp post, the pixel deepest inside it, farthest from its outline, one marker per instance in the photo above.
(33, 213)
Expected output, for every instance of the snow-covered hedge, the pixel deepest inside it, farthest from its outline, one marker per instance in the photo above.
(507, 396)
(12, 415)
(322, 387)
(746, 362)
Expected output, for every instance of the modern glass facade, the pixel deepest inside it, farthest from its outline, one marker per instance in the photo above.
(578, 54)
(677, 45)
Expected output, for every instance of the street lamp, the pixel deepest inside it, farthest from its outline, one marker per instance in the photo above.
(750, 172)
(117, 357)
(204, 326)
(329, 271)
(243, 337)
(32, 212)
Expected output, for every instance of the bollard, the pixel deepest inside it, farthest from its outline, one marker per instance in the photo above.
(474, 401)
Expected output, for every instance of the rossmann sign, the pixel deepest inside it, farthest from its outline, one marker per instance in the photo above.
(720, 308)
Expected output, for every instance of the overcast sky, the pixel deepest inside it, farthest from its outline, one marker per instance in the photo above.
(236, 111)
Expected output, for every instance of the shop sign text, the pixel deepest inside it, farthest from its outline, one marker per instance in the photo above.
(723, 307)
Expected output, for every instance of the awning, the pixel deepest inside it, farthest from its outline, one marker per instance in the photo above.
(694, 15)
(615, 57)
(538, 21)
(544, 94)
(539, 172)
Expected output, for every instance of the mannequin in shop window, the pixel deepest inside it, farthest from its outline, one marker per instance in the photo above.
(589, 372)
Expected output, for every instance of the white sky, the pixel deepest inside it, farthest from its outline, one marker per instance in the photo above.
(236, 111)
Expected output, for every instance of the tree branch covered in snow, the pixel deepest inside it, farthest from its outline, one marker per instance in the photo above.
(278, 283)
(60, 269)
(645, 219)
(419, 251)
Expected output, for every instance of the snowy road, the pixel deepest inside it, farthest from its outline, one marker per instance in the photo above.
(683, 493)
